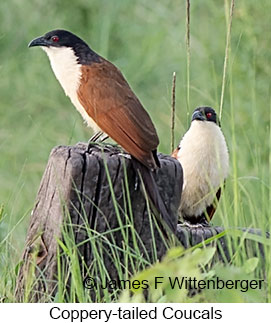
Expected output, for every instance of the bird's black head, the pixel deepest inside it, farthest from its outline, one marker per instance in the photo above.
(60, 38)
(205, 114)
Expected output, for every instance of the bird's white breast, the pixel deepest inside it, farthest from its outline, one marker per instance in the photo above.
(68, 72)
(204, 157)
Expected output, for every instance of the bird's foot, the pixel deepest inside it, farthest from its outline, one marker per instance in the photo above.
(127, 156)
(190, 225)
(193, 225)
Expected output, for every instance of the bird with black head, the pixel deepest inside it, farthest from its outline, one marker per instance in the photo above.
(107, 103)
(204, 157)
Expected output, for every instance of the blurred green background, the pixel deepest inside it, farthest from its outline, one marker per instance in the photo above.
(146, 40)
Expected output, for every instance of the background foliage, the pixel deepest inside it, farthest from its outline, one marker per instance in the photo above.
(146, 40)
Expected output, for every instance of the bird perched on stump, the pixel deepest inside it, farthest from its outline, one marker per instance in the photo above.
(204, 156)
(106, 102)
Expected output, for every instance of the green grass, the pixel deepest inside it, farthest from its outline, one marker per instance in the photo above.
(146, 40)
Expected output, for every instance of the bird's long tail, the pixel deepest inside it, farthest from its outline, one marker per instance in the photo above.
(154, 194)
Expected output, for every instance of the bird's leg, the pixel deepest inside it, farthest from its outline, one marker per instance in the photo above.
(94, 139)
(103, 137)
(98, 137)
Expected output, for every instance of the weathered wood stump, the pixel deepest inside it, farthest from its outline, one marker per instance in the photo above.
(91, 203)
(76, 189)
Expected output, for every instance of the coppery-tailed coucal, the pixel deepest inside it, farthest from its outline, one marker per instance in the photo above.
(106, 102)
(204, 156)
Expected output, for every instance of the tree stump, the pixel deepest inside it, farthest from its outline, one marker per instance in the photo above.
(76, 189)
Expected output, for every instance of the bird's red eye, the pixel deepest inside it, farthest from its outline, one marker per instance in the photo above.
(55, 39)
(208, 115)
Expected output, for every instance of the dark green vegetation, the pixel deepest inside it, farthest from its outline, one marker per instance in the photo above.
(146, 40)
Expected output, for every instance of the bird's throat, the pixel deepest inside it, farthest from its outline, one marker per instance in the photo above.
(66, 68)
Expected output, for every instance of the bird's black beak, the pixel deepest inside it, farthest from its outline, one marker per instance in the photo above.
(198, 115)
(40, 41)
